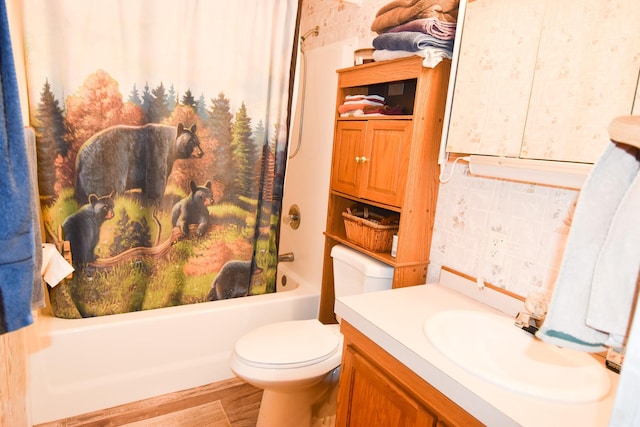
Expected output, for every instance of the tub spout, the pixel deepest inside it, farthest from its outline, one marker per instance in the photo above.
(287, 257)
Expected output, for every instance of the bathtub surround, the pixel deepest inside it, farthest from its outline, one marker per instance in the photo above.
(17, 248)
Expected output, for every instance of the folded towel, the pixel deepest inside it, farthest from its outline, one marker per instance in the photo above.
(411, 41)
(433, 26)
(368, 97)
(400, 11)
(593, 296)
(16, 226)
(432, 55)
(364, 101)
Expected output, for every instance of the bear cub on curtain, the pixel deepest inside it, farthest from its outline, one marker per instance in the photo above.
(193, 209)
(82, 229)
(234, 280)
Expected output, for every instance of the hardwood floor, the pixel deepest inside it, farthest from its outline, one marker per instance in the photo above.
(229, 403)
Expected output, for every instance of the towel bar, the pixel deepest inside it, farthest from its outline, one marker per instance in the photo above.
(625, 129)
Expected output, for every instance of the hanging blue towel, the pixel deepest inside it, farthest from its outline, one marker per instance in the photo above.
(594, 293)
(17, 261)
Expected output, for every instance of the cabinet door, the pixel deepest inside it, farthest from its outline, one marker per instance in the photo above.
(385, 169)
(493, 81)
(543, 79)
(586, 75)
(348, 148)
(373, 399)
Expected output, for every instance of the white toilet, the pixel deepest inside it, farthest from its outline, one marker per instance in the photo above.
(297, 362)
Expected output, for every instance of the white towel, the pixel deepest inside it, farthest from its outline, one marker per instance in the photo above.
(591, 304)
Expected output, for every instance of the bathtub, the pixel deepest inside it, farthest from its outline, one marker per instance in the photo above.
(83, 365)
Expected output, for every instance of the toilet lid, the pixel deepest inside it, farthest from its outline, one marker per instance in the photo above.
(298, 342)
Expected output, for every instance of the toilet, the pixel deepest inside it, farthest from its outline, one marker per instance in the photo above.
(297, 363)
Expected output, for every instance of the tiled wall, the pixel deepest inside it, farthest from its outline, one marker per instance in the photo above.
(510, 234)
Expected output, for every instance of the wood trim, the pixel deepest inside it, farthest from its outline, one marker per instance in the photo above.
(626, 129)
(488, 285)
(13, 378)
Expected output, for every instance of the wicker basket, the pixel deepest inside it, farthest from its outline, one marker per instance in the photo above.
(368, 230)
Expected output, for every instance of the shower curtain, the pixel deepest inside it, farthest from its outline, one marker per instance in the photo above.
(161, 130)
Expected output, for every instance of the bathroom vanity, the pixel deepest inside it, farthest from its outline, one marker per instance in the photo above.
(392, 374)
(375, 383)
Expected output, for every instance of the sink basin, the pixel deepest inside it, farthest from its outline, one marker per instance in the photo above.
(490, 346)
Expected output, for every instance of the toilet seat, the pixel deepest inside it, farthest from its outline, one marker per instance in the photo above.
(290, 344)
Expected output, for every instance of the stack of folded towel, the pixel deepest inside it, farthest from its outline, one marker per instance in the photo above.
(366, 105)
(425, 28)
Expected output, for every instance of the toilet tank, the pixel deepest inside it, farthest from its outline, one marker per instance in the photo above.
(355, 272)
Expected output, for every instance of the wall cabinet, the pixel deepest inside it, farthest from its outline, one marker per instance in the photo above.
(388, 163)
(535, 80)
(377, 390)
(370, 159)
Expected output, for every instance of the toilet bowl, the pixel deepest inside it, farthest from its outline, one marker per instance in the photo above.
(296, 363)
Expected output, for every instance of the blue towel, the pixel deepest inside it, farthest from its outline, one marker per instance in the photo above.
(410, 41)
(594, 292)
(17, 260)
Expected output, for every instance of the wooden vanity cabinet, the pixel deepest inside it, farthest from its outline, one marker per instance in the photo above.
(388, 163)
(377, 390)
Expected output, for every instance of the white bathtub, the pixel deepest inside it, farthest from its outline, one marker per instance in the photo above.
(79, 366)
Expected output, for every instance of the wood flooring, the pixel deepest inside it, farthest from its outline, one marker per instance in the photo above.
(229, 403)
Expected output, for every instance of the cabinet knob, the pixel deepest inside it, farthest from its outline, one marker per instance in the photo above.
(361, 159)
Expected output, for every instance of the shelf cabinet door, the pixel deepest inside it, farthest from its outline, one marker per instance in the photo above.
(385, 170)
(348, 146)
(370, 159)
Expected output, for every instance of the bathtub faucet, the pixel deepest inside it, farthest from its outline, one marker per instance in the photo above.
(287, 257)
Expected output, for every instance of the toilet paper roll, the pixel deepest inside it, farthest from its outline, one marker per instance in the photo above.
(54, 266)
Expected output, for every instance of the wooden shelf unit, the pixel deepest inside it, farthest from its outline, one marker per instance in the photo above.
(401, 171)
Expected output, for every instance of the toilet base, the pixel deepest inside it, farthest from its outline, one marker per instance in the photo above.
(300, 408)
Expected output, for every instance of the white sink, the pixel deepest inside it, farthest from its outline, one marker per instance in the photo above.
(490, 346)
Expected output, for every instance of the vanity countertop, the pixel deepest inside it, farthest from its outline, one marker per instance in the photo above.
(394, 320)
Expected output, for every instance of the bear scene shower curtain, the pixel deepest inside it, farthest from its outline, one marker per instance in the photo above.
(161, 129)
